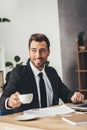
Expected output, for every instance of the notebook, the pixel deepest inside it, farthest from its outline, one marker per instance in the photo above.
(76, 119)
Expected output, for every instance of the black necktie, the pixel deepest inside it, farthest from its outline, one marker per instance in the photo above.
(42, 91)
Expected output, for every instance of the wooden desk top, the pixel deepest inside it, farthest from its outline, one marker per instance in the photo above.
(46, 123)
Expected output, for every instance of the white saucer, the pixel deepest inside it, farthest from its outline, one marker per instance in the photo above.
(25, 117)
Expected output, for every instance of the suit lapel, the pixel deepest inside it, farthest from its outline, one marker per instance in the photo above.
(50, 76)
(33, 86)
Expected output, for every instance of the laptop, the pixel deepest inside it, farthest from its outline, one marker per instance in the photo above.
(80, 107)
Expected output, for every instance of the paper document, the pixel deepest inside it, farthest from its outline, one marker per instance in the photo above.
(52, 111)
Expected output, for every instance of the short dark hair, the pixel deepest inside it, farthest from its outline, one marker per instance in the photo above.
(39, 38)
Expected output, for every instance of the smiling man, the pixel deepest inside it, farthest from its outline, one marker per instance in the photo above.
(38, 52)
(28, 78)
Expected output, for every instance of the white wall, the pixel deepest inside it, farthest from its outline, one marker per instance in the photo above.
(27, 17)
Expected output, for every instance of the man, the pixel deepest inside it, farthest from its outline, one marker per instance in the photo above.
(25, 80)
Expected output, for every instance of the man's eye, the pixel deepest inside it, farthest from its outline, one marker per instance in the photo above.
(42, 50)
(33, 50)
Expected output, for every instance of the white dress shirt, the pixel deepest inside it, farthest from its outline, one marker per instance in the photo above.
(49, 91)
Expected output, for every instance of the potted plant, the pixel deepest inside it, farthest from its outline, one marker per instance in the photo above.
(80, 38)
(9, 64)
(17, 60)
(81, 41)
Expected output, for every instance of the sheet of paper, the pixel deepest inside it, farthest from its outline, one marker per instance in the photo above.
(52, 111)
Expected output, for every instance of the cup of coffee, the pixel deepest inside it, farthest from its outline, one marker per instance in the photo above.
(26, 98)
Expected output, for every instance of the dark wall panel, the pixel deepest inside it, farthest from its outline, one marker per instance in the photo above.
(72, 20)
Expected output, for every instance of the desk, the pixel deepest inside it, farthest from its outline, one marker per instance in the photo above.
(47, 123)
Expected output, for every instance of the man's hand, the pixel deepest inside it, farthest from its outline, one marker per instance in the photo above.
(13, 101)
(77, 97)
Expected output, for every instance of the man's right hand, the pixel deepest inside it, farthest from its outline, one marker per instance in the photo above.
(14, 101)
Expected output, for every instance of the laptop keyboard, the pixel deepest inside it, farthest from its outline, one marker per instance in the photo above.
(83, 105)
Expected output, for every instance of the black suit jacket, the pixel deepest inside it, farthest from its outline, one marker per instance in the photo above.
(22, 80)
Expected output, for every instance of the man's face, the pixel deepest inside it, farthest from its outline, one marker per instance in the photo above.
(38, 52)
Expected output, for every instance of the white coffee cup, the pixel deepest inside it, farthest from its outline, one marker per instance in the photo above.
(26, 98)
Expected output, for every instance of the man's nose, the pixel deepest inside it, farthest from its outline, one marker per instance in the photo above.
(38, 53)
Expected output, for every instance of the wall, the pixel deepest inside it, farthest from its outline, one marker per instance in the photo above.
(27, 17)
(72, 19)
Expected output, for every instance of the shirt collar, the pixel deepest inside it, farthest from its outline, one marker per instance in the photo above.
(35, 70)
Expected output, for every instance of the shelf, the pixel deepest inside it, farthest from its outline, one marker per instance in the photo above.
(2, 67)
(83, 90)
(84, 71)
(82, 67)
(1, 80)
(85, 51)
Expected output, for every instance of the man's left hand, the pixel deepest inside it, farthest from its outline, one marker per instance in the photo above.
(77, 97)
